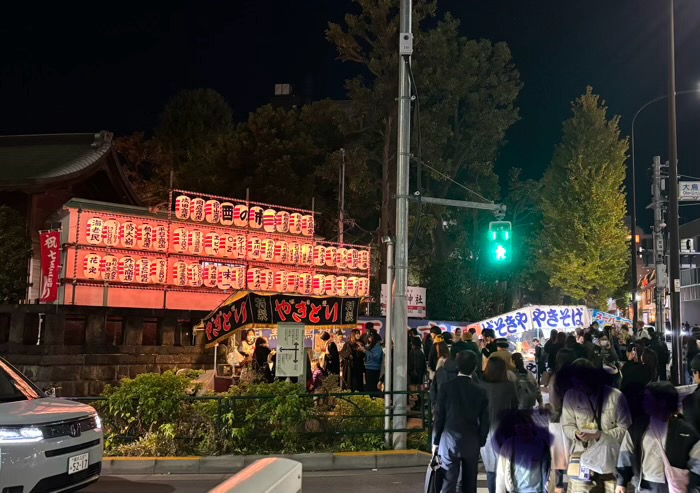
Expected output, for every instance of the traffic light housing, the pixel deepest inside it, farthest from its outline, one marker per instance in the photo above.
(499, 242)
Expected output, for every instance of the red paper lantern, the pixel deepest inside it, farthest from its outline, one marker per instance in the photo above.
(93, 231)
(281, 252)
(212, 211)
(307, 254)
(331, 256)
(254, 248)
(307, 225)
(194, 275)
(210, 275)
(180, 240)
(255, 218)
(353, 257)
(295, 223)
(363, 264)
(226, 214)
(110, 232)
(269, 220)
(159, 271)
(238, 279)
(254, 279)
(197, 212)
(330, 285)
(143, 270)
(144, 236)
(363, 286)
(180, 273)
(292, 282)
(341, 260)
(223, 277)
(212, 244)
(267, 279)
(305, 283)
(109, 265)
(91, 266)
(196, 241)
(280, 285)
(127, 234)
(240, 247)
(282, 222)
(294, 253)
(126, 269)
(319, 255)
(182, 207)
(240, 215)
(268, 250)
(352, 286)
(341, 286)
(161, 233)
(318, 284)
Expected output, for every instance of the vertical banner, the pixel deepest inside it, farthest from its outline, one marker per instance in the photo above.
(50, 265)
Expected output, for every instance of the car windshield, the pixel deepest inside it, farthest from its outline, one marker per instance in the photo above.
(14, 386)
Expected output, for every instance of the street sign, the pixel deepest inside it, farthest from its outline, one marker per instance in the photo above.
(416, 299)
(290, 350)
(689, 190)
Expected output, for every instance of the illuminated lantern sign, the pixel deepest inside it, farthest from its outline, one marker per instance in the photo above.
(180, 273)
(144, 237)
(305, 283)
(197, 210)
(143, 271)
(341, 258)
(196, 242)
(226, 214)
(294, 253)
(307, 254)
(110, 232)
(267, 279)
(212, 211)
(255, 219)
(223, 277)
(180, 240)
(91, 266)
(341, 286)
(194, 275)
(254, 248)
(268, 220)
(281, 251)
(161, 233)
(280, 281)
(240, 247)
(108, 268)
(210, 275)
(352, 286)
(331, 255)
(292, 282)
(127, 269)
(353, 258)
(159, 271)
(212, 244)
(127, 234)
(307, 225)
(240, 215)
(182, 207)
(282, 222)
(319, 284)
(363, 286)
(330, 285)
(238, 279)
(93, 231)
(363, 263)
(268, 250)
(319, 255)
(295, 223)
(254, 279)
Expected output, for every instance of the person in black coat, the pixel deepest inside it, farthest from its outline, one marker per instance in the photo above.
(635, 377)
(331, 356)
(691, 403)
(461, 426)
(352, 361)
(261, 365)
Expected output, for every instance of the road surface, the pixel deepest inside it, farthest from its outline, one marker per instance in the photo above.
(407, 480)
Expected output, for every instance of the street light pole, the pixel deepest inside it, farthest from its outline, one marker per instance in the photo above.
(674, 240)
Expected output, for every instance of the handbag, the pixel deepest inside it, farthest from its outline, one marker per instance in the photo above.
(676, 478)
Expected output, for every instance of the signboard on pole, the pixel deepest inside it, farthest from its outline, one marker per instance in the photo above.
(416, 298)
(50, 265)
(689, 190)
(290, 350)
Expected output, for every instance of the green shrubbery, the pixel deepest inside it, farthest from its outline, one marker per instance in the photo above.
(158, 415)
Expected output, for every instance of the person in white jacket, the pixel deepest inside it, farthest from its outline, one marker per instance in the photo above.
(593, 411)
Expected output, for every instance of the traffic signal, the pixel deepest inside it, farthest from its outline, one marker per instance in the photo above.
(499, 242)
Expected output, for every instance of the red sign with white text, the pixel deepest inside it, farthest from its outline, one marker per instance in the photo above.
(50, 265)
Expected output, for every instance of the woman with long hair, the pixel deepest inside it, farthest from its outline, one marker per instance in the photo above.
(528, 390)
(374, 356)
(331, 357)
(443, 353)
(651, 361)
(261, 364)
(558, 387)
(503, 398)
(352, 363)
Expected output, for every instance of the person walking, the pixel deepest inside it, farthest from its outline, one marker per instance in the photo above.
(635, 377)
(461, 426)
(503, 352)
(374, 356)
(352, 363)
(662, 353)
(331, 356)
(589, 405)
(559, 343)
(261, 365)
(529, 392)
(467, 344)
(489, 342)
(442, 351)
(654, 445)
(503, 398)
(417, 369)
(559, 385)
(691, 403)
(447, 372)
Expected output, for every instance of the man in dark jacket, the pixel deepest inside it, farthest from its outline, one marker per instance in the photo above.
(658, 345)
(430, 340)
(467, 344)
(461, 426)
(635, 377)
(691, 403)
(489, 337)
(446, 373)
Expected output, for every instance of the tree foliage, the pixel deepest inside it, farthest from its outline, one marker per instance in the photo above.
(15, 250)
(583, 246)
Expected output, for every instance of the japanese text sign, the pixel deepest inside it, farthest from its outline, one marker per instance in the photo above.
(416, 299)
(50, 265)
(543, 318)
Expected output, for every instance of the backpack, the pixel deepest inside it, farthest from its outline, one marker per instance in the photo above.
(527, 396)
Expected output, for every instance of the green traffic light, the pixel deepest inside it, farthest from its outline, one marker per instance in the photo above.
(499, 243)
(500, 253)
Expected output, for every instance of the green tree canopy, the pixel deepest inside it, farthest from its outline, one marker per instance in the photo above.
(15, 249)
(583, 245)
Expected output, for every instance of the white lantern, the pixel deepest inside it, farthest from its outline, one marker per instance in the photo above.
(318, 284)
(353, 257)
(196, 241)
(93, 231)
(319, 255)
(307, 225)
(182, 207)
(341, 286)
(126, 269)
(161, 234)
(223, 277)
(268, 220)
(197, 212)
(143, 270)
(255, 218)
(307, 254)
(110, 232)
(352, 286)
(127, 234)
(144, 236)
(212, 244)
(330, 285)
(305, 283)
(363, 264)
(91, 266)
(363, 286)
(280, 281)
(240, 247)
(341, 258)
(254, 279)
(240, 215)
(109, 265)
(159, 271)
(295, 223)
(194, 275)
(294, 253)
(226, 214)
(180, 273)
(254, 248)
(238, 278)
(268, 250)
(212, 211)
(210, 275)
(331, 256)
(267, 279)
(282, 222)
(180, 240)
(281, 252)
(292, 282)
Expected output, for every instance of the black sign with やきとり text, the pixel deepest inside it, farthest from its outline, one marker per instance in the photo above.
(253, 310)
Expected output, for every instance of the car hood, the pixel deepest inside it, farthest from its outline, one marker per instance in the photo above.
(40, 411)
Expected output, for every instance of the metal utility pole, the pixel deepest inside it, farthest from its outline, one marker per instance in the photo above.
(400, 318)
(674, 240)
(388, 346)
(659, 251)
(341, 198)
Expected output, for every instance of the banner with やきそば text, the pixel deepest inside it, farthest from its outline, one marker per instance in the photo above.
(545, 318)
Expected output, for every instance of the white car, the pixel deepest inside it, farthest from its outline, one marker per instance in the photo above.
(47, 445)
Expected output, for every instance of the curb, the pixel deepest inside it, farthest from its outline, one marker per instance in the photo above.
(231, 464)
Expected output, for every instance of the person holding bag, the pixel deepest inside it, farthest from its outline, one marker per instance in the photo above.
(661, 451)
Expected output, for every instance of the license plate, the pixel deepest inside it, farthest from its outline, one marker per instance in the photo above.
(78, 463)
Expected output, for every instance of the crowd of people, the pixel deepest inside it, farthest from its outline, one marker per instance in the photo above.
(612, 421)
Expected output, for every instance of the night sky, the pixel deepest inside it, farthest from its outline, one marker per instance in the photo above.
(84, 67)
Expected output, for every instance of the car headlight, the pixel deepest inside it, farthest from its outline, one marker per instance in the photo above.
(26, 434)
(98, 423)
